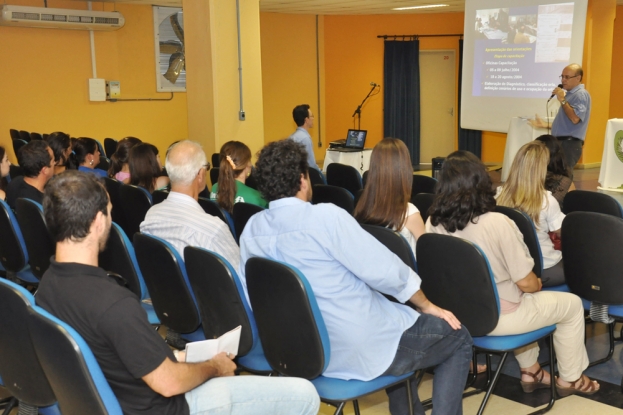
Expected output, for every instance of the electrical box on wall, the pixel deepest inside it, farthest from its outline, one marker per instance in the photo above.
(113, 89)
(97, 89)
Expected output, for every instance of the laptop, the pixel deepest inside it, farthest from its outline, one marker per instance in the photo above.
(355, 140)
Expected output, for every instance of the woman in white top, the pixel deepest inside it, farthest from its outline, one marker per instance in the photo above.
(525, 190)
(385, 199)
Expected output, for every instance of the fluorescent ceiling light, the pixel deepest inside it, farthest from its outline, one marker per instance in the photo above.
(430, 6)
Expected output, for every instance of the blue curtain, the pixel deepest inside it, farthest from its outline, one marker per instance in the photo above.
(401, 117)
(470, 140)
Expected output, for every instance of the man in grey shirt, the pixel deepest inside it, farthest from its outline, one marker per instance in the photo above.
(304, 120)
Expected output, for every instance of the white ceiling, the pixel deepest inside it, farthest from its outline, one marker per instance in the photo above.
(335, 6)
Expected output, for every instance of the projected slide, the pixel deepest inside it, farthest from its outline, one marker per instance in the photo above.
(518, 50)
(513, 54)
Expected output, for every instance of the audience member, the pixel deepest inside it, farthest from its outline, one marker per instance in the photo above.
(60, 143)
(146, 168)
(464, 208)
(145, 375)
(525, 191)
(521, 36)
(5, 167)
(86, 156)
(386, 198)
(119, 162)
(234, 168)
(559, 179)
(304, 120)
(37, 162)
(348, 269)
(179, 219)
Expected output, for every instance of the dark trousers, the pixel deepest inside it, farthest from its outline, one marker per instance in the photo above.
(573, 151)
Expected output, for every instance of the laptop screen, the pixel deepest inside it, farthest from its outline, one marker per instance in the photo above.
(356, 138)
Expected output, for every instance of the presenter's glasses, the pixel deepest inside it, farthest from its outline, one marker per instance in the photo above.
(567, 77)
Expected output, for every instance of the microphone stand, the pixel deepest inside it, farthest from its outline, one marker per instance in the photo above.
(358, 110)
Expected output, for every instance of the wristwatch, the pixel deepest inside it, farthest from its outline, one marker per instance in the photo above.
(563, 102)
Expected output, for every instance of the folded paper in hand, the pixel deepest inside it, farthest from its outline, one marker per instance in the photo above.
(206, 349)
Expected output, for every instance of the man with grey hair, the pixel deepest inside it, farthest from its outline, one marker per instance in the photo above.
(179, 219)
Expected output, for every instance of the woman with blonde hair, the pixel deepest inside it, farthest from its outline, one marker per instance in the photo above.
(385, 201)
(234, 168)
(525, 190)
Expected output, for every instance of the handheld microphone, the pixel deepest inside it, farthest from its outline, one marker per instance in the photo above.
(374, 84)
(553, 95)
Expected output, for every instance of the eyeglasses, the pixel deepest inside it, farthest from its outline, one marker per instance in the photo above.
(207, 166)
(567, 77)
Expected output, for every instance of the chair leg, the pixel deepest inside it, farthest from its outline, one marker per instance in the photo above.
(492, 382)
(339, 408)
(356, 407)
(611, 351)
(472, 377)
(410, 396)
(12, 402)
(553, 397)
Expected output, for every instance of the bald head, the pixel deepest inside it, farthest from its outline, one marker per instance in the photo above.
(184, 160)
(577, 69)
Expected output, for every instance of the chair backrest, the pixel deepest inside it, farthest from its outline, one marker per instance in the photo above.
(36, 136)
(423, 202)
(104, 163)
(19, 368)
(588, 201)
(110, 146)
(592, 260)
(212, 208)
(166, 279)
(394, 241)
(119, 257)
(456, 276)
(364, 178)
(24, 135)
(316, 176)
(324, 193)
(68, 362)
(159, 196)
(242, 213)
(422, 184)
(291, 328)
(14, 134)
(527, 229)
(343, 175)
(251, 180)
(135, 202)
(17, 144)
(36, 235)
(13, 252)
(216, 160)
(113, 188)
(220, 297)
(214, 172)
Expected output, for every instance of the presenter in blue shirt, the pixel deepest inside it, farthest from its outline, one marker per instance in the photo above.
(304, 120)
(348, 269)
(571, 122)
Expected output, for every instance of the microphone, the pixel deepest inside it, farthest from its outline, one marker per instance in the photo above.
(374, 84)
(553, 95)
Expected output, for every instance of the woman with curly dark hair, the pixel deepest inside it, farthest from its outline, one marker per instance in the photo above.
(464, 208)
(559, 179)
(60, 143)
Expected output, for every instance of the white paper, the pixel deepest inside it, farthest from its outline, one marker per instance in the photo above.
(206, 349)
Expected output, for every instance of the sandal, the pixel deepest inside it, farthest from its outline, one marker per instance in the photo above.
(586, 387)
(537, 383)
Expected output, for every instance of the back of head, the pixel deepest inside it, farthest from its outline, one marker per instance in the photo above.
(557, 163)
(463, 193)
(184, 161)
(81, 148)
(524, 189)
(279, 168)
(234, 158)
(71, 201)
(299, 113)
(33, 157)
(59, 142)
(121, 155)
(144, 166)
(388, 188)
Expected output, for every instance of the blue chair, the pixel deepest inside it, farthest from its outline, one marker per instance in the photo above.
(172, 296)
(339, 196)
(422, 184)
(423, 202)
(76, 377)
(13, 252)
(294, 336)
(241, 214)
(212, 208)
(456, 276)
(316, 176)
(20, 369)
(589, 201)
(394, 241)
(345, 176)
(119, 257)
(223, 305)
(135, 202)
(36, 235)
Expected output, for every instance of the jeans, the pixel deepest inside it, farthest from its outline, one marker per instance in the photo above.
(432, 342)
(256, 395)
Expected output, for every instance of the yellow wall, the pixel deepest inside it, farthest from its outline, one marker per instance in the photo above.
(290, 76)
(616, 86)
(45, 73)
